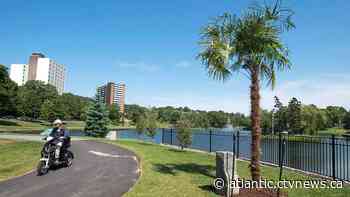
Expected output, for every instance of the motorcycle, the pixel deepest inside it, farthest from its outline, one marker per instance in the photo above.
(50, 159)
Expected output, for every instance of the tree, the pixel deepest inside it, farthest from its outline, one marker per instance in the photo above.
(114, 114)
(134, 111)
(240, 120)
(183, 132)
(32, 95)
(8, 94)
(168, 114)
(250, 44)
(198, 119)
(294, 116)
(313, 119)
(72, 106)
(266, 121)
(141, 124)
(346, 121)
(335, 115)
(151, 125)
(47, 111)
(96, 120)
(217, 119)
(280, 116)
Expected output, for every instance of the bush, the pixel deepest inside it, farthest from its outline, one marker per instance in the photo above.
(184, 136)
(141, 125)
(151, 124)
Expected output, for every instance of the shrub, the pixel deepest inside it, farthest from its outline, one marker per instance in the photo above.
(184, 136)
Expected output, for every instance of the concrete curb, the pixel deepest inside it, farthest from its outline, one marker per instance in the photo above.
(18, 176)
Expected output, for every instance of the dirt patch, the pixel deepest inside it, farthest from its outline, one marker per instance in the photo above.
(3, 141)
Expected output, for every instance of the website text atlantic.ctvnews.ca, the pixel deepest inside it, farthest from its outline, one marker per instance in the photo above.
(283, 184)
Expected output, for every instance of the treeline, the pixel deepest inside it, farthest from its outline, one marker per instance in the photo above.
(298, 118)
(294, 117)
(198, 118)
(37, 100)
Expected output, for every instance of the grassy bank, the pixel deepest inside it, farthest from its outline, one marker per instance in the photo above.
(171, 172)
(17, 157)
(332, 131)
(27, 127)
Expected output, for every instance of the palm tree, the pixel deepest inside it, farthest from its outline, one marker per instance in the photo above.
(249, 44)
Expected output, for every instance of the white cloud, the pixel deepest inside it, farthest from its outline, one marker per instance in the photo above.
(323, 90)
(141, 66)
(183, 64)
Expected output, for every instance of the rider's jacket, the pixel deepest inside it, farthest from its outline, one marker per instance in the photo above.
(56, 132)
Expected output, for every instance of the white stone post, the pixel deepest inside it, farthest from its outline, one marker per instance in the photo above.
(226, 164)
(112, 135)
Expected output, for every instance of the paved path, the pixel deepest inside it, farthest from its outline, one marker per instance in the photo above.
(98, 169)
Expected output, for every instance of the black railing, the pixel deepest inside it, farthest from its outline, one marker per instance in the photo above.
(327, 156)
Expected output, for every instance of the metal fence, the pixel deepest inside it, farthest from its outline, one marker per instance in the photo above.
(327, 156)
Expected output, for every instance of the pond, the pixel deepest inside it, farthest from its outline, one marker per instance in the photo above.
(312, 154)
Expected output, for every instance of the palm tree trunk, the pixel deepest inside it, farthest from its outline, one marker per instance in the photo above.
(256, 130)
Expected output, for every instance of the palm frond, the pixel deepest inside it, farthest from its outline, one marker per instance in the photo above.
(249, 43)
(216, 41)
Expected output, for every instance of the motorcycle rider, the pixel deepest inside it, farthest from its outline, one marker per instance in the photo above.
(66, 143)
(61, 137)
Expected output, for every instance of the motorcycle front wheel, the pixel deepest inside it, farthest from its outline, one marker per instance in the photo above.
(41, 169)
(69, 159)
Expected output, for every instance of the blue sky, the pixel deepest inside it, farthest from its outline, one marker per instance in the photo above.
(152, 45)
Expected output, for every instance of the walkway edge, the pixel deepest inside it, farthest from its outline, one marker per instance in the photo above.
(18, 176)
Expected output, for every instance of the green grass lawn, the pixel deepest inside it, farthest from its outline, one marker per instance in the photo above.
(333, 131)
(27, 127)
(17, 157)
(171, 172)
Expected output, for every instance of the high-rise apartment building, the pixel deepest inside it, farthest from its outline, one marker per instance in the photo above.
(19, 73)
(39, 68)
(33, 65)
(120, 97)
(112, 93)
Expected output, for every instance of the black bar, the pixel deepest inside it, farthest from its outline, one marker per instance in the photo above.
(344, 166)
(283, 143)
(313, 154)
(233, 158)
(238, 144)
(210, 134)
(347, 161)
(333, 157)
(163, 135)
(279, 149)
(171, 136)
(233, 144)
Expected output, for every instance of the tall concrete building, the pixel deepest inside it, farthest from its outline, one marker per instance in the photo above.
(19, 73)
(40, 68)
(112, 93)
